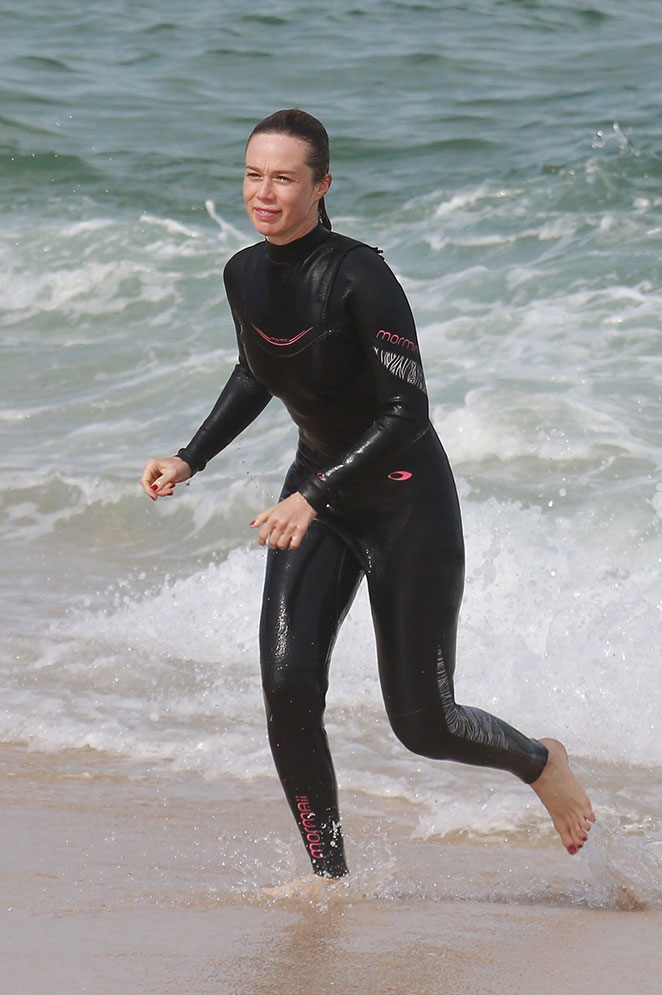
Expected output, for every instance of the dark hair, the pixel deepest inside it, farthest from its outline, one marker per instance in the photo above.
(301, 125)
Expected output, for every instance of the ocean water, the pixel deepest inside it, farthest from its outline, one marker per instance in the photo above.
(507, 157)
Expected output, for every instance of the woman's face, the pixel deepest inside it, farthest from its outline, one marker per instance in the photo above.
(279, 192)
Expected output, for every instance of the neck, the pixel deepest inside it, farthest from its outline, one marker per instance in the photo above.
(298, 247)
(305, 230)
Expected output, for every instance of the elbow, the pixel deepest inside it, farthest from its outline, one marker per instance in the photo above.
(413, 417)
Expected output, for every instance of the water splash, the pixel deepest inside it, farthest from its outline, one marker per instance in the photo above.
(626, 869)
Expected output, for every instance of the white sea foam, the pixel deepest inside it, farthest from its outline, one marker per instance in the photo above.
(172, 227)
(550, 426)
(550, 639)
(97, 284)
(230, 235)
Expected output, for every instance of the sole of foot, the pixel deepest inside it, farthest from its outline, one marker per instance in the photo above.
(564, 798)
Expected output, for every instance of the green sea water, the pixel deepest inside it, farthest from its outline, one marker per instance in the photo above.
(507, 156)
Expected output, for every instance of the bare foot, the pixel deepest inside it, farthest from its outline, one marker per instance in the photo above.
(312, 887)
(564, 798)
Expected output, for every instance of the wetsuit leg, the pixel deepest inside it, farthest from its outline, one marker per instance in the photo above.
(415, 580)
(307, 594)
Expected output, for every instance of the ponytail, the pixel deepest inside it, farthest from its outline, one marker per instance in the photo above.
(323, 216)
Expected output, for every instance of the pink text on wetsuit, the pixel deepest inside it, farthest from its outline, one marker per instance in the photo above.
(396, 339)
(310, 829)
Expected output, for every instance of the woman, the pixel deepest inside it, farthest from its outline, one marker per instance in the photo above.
(323, 324)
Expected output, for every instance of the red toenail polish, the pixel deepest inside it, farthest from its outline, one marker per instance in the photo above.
(572, 850)
(154, 487)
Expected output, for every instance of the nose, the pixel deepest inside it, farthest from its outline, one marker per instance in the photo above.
(265, 189)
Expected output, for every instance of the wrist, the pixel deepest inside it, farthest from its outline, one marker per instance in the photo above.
(187, 462)
(314, 494)
(305, 503)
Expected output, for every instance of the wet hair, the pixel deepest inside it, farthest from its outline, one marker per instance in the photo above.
(299, 124)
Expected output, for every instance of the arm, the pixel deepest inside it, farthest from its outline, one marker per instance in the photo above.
(380, 313)
(240, 402)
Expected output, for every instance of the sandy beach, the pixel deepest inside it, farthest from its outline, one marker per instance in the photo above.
(121, 878)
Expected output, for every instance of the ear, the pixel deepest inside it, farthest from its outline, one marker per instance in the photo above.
(322, 186)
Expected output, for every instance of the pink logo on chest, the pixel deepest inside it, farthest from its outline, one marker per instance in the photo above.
(400, 475)
(274, 341)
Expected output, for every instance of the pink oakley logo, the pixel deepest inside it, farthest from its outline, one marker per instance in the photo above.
(400, 475)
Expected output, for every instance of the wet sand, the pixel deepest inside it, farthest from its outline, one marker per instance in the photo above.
(122, 878)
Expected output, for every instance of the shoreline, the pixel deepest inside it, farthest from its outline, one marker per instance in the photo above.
(117, 877)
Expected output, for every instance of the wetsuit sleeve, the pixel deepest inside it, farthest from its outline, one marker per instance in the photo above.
(377, 307)
(239, 403)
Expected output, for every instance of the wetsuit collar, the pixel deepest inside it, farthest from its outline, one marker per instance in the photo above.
(299, 248)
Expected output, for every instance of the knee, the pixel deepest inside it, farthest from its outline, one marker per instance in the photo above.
(425, 735)
(290, 694)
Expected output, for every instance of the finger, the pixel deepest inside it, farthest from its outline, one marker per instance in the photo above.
(264, 533)
(150, 490)
(297, 536)
(279, 536)
(163, 486)
(277, 539)
(283, 541)
(155, 481)
(150, 473)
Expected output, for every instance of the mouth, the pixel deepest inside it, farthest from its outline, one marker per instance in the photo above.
(264, 213)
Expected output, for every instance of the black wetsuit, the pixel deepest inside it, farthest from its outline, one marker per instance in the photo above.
(323, 324)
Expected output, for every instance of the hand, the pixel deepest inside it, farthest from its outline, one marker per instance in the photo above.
(160, 476)
(285, 525)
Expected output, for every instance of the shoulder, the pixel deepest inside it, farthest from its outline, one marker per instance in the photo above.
(345, 245)
(236, 264)
(360, 262)
(364, 266)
